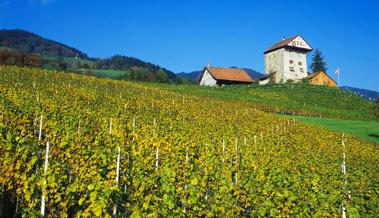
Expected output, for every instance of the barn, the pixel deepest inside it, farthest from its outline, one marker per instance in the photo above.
(321, 78)
(218, 76)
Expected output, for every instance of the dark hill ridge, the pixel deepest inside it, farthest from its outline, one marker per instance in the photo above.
(17, 43)
(28, 42)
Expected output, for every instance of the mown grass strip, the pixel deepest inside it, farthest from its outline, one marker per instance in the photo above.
(368, 130)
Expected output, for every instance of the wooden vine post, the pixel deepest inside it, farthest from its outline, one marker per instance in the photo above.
(223, 150)
(110, 126)
(343, 166)
(45, 182)
(157, 159)
(117, 175)
(187, 155)
(40, 129)
(236, 148)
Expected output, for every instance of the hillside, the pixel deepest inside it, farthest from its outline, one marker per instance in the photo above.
(22, 48)
(303, 99)
(97, 147)
(28, 42)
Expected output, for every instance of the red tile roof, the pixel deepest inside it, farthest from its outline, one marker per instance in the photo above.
(281, 44)
(229, 74)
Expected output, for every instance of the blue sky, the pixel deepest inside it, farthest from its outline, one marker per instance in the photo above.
(186, 35)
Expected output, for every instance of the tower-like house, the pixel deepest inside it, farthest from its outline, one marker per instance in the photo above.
(287, 60)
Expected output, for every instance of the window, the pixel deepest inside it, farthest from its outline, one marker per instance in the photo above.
(301, 70)
(300, 63)
(292, 69)
(291, 61)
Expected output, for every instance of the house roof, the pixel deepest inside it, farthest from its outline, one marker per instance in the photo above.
(228, 74)
(313, 75)
(282, 44)
(266, 76)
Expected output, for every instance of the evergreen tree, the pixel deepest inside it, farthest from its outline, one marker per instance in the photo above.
(318, 63)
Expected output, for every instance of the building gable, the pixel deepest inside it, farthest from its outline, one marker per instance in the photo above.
(295, 42)
(207, 79)
(299, 42)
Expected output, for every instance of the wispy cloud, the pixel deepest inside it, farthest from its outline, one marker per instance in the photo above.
(42, 2)
(4, 3)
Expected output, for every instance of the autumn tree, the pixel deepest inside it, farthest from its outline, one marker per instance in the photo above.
(33, 60)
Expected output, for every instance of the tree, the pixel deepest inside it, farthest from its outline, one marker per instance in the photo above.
(161, 76)
(10, 57)
(376, 107)
(318, 63)
(33, 60)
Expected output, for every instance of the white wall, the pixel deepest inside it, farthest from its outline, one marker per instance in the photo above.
(207, 79)
(279, 61)
(274, 63)
(264, 82)
(299, 65)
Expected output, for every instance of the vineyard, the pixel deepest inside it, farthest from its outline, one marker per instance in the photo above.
(298, 99)
(78, 146)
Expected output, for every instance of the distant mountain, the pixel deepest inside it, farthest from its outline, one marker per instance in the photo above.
(252, 73)
(194, 75)
(364, 93)
(28, 42)
(23, 48)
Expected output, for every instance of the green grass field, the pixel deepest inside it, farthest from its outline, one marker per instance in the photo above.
(69, 60)
(113, 74)
(368, 130)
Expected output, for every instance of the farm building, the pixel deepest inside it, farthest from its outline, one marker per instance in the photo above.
(321, 78)
(218, 76)
(288, 59)
(267, 78)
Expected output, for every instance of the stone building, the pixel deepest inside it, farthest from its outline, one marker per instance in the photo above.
(287, 60)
